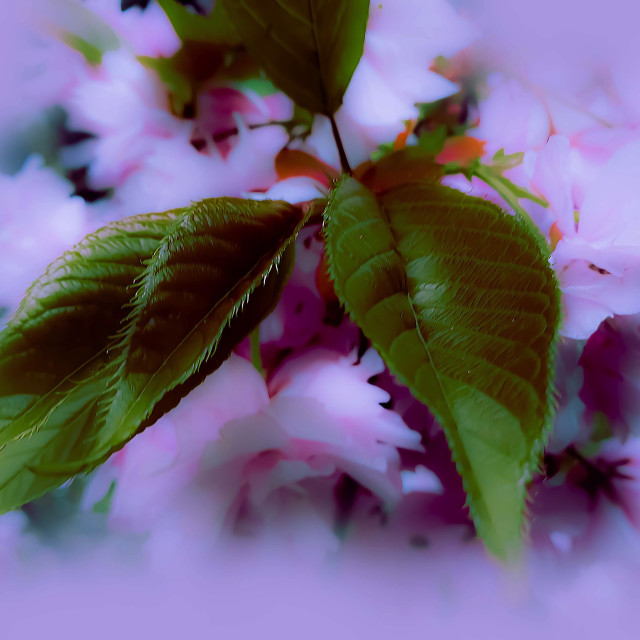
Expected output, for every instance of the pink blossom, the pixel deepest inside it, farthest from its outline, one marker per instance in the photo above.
(323, 419)
(37, 70)
(402, 40)
(293, 190)
(126, 107)
(157, 468)
(329, 417)
(218, 107)
(40, 219)
(174, 173)
(598, 259)
(150, 156)
(147, 32)
(511, 118)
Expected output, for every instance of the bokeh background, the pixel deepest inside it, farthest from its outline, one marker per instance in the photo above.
(155, 544)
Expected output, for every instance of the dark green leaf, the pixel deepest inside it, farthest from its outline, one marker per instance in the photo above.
(72, 391)
(65, 322)
(210, 49)
(183, 74)
(433, 141)
(59, 338)
(410, 164)
(192, 27)
(460, 301)
(199, 278)
(309, 48)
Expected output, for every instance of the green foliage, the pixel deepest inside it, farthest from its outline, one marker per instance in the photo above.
(308, 48)
(80, 28)
(104, 504)
(120, 328)
(184, 73)
(460, 301)
(210, 49)
(433, 141)
(91, 53)
(192, 27)
(409, 164)
(492, 175)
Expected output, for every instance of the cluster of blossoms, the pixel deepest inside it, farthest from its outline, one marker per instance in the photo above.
(326, 440)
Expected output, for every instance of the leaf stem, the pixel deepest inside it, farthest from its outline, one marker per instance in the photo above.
(256, 357)
(344, 162)
(491, 180)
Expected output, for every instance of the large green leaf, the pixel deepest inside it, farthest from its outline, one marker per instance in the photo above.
(460, 301)
(67, 318)
(61, 397)
(198, 280)
(308, 48)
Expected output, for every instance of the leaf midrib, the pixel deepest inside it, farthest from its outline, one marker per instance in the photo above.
(459, 450)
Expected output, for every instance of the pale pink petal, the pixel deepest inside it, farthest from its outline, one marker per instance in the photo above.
(511, 118)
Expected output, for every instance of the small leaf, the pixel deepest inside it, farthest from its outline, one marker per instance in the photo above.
(507, 161)
(192, 27)
(309, 48)
(183, 74)
(508, 190)
(78, 27)
(294, 162)
(463, 150)
(410, 164)
(61, 353)
(104, 504)
(91, 53)
(434, 141)
(459, 299)
(210, 49)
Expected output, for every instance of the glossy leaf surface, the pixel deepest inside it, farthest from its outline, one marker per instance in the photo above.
(199, 279)
(308, 48)
(181, 284)
(460, 301)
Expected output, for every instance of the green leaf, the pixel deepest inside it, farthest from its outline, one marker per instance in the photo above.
(433, 141)
(152, 303)
(199, 279)
(79, 28)
(58, 338)
(210, 49)
(309, 48)
(189, 26)
(507, 161)
(508, 190)
(460, 301)
(184, 73)
(104, 504)
(92, 54)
